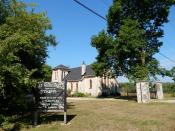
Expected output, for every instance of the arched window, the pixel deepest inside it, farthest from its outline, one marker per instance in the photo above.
(105, 82)
(71, 86)
(55, 75)
(77, 86)
(90, 83)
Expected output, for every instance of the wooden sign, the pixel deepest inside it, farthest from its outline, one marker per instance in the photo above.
(51, 97)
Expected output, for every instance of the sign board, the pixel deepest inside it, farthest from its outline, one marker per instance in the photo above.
(51, 97)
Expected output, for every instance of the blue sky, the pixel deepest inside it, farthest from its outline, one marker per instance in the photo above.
(74, 26)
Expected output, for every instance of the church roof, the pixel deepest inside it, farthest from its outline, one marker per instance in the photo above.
(75, 73)
(61, 67)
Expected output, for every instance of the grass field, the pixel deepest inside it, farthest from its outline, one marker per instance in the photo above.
(106, 115)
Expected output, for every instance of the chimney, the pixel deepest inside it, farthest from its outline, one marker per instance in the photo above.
(83, 68)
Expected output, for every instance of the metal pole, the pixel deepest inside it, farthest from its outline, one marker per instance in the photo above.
(65, 117)
(65, 102)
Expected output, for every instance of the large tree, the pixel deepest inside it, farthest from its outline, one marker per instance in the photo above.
(23, 51)
(170, 73)
(4, 4)
(132, 38)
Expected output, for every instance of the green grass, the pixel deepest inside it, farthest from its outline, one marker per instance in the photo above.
(108, 115)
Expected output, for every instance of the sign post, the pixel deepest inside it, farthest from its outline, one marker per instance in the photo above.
(51, 98)
(65, 101)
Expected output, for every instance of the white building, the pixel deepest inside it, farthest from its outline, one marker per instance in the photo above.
(82, 79)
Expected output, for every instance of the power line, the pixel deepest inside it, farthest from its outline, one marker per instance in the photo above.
(94, 12)
(166, 57)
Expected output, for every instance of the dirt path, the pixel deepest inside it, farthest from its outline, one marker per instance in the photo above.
(94, 99)
(112, 99)
(164, 101)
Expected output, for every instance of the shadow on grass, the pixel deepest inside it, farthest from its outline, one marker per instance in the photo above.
(70, 105)
(129, 98)
(46, 118)
(26, 120)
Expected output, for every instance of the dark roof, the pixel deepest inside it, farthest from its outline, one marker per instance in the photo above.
(75, 73)
(89, 71)
(61, 67)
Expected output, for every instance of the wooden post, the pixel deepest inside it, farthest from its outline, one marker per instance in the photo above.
(35, 123)
(65, 102)
(65, 117)
(35, 111)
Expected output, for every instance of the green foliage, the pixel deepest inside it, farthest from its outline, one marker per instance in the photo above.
(46, 72)
(169, 88)
(171, 73)
(127, 87)
(6, 122)
(102, 44)
(4, 4)
(132, 38)
(23, 51)
(78, 94)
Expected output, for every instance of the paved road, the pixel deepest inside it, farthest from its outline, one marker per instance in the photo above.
(164, 101)
(96, 99)
(112, 99)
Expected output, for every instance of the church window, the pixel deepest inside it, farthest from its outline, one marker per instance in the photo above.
(76, 86)
(55, 75)
(90, 84)
(71, 86)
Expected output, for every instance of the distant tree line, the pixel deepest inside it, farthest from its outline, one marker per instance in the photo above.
(127, 88)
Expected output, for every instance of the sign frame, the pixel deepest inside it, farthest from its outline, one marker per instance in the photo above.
(45, 91)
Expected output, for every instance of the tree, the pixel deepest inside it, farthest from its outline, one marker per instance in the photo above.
(4, 4)
(171, 73)
(132, 38)
(47, 72)
(23, 51)
(171, 86)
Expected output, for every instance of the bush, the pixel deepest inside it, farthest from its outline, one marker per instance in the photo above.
(169, 88)
(127, 87)
(1, 118)
(7, 122)
(78, 94)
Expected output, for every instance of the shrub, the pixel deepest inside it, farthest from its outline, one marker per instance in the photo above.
(127, 88)
(1, 118)
(78, 94)
(169, 88)
(7, 122)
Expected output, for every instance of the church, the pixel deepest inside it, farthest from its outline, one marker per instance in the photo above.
(83, 79)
